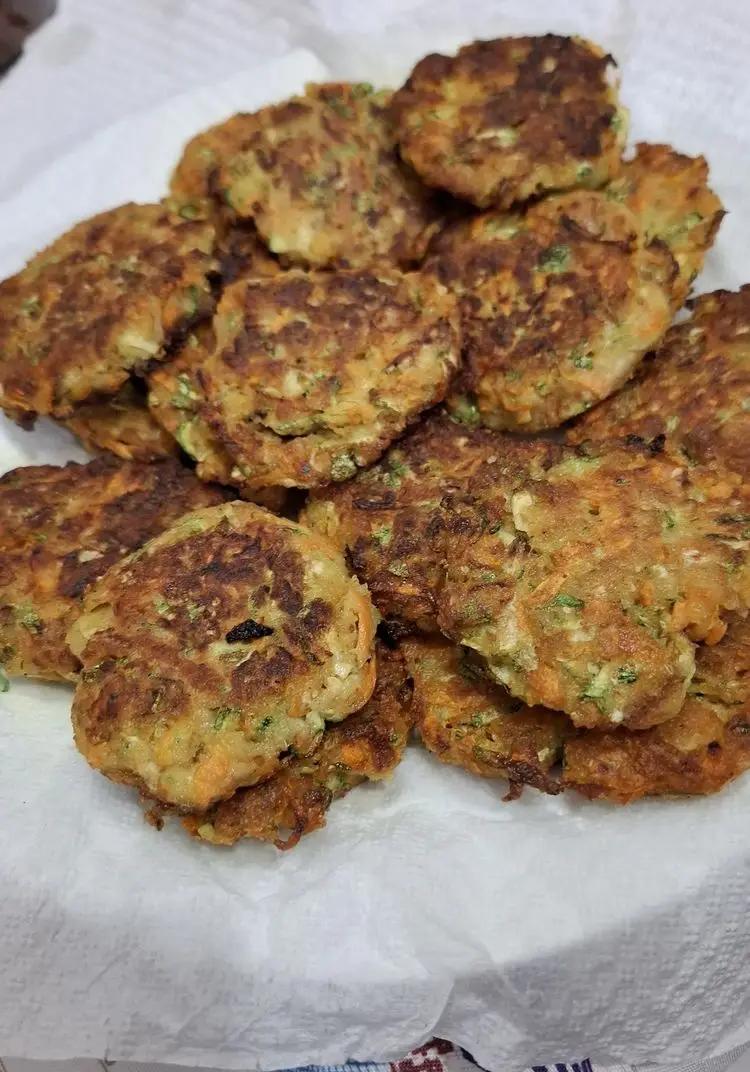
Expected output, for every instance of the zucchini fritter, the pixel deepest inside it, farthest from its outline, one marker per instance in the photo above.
(391, 519)
(695, 391)
(473, 723)
(558, 306)
(314, 375)
(106, 298)
(670, 195)
(322, 180)
(505, 120)
(121, 425)
(366, 746)
(584, 590)
(216, 649)
(60, 531)
(699, 751)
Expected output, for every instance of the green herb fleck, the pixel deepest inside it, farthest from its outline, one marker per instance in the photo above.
(194, 610)
(581, 359)
(342, 467)
(628, 675)
(396, 470)
(583, 172)
(162, 606)
(562, 599)
(32, 306)
(669, 519)
(185, 396)
(189, 211)
(28, 618)
(383, 535)
(263, 725)
(221, 714)
(465, 411)
(555, 259)
(4, 683)
(400, 569)
(340, 107)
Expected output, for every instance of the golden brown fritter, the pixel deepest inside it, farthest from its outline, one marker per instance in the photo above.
(391, 520)
(699, 751)
(106, 298)
(121, 425)
(314, 375)
(584, 591)
(468, 721)
(366, 746)
(322, 180)
(558, 307)
(216, 649)
(61, 528)
(670, 195)
(505, 120)
(175, 399)
(695, 391)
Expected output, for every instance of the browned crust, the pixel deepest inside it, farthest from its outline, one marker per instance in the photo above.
(121, 425)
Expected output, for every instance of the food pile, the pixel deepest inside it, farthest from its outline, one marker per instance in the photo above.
(396, 431)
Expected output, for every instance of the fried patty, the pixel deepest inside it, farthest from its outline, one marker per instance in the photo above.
(558, 306)
(314, 375)
(695, 391)
(121, 425)
(220, 648)
(61, 528)
(107, 297)
(475, 724)
(505, 120)
(366, 746)
(584, 591)
(322, 180)
(391, 519)
(670, 195)
(699, 751)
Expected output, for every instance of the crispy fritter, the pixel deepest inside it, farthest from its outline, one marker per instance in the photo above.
(121, 425)
(314, 375)
(322, 180)
(367, 745)
(107, 297)
(699, 751)
(475, 724)
(558, 307)
(584, 591)
(391, 520)
(695, 391)
(670, 195)
(505, 120)
(61, 528)
(222, 644)
(175, 398)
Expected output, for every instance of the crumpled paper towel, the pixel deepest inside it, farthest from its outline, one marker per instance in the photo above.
(541, 930)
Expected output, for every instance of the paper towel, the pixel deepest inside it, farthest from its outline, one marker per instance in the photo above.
(546, 929)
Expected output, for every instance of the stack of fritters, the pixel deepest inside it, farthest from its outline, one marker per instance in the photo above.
(565, 611)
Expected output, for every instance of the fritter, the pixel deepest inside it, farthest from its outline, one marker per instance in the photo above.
(699, 751)
(391, 519)
(670, 195)
(505, 120)
(695, 391)
(366, 746)
(321, 178)
(106, 298)
(472, 723)
(584, 591)
(314, 375)
(175, 398)
(558, 307)
(220, 648)
(121, 425)
(61, 528)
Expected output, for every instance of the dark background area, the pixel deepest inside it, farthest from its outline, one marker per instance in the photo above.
(19, 18)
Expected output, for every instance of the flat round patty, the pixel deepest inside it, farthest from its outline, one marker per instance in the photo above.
(699, 751)
(558, 306)
(468, 721)
(322, 180)
(61, 528)
(695, 391)
(392, 521)
(366, 746)
(508, 119)
(104, 299)
(313, 376)
(122, 425)
(584, 591)
(226, 644)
